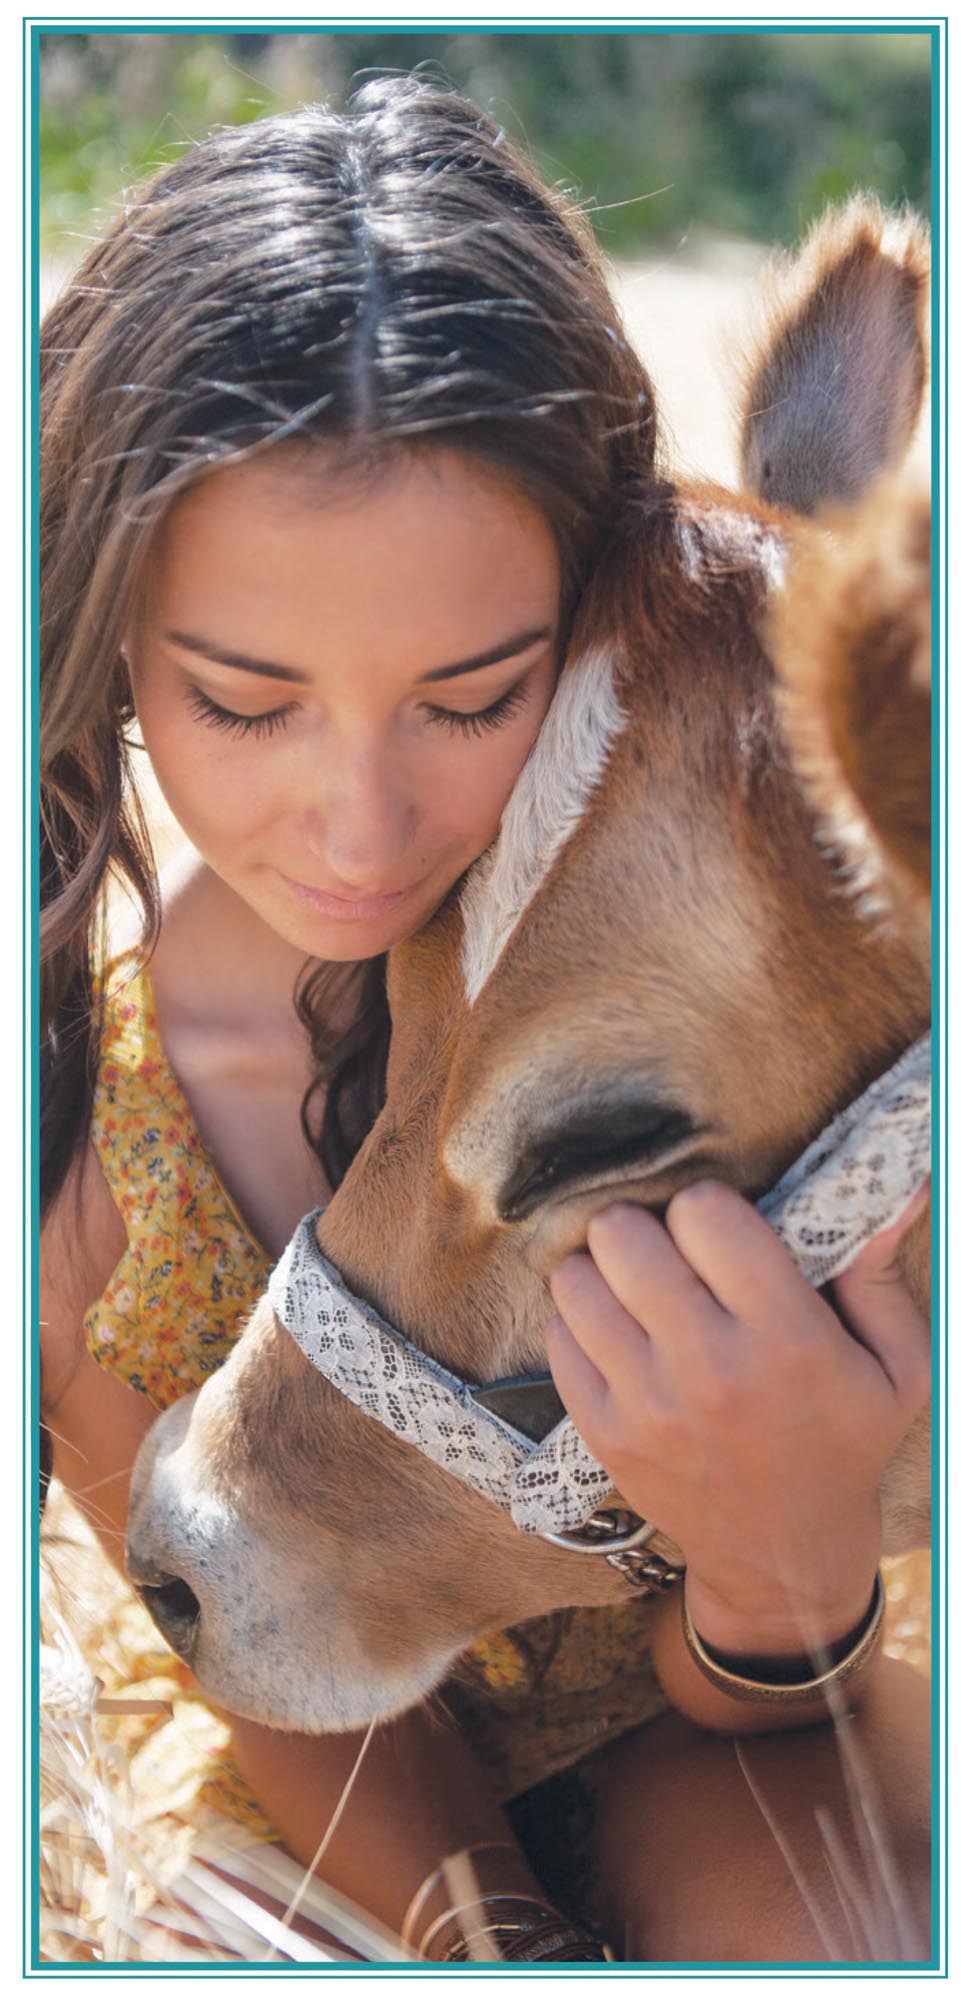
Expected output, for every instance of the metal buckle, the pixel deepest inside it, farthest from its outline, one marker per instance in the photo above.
(608, 1533)
(608, 1529)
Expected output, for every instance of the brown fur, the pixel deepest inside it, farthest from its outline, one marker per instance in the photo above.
(852, 637)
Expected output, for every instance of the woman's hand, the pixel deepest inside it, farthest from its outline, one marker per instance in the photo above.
(733, 1407)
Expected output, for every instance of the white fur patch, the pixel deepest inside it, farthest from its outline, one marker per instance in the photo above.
(544, 809)
(710, 534)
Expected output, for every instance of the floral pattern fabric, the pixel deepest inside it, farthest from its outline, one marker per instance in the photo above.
(191, 1272)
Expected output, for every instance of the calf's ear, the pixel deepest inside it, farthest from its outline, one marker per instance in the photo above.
(835, 382)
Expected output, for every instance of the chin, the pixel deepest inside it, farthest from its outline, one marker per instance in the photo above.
(348, 943)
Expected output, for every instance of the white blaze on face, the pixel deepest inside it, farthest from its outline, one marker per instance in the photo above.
(544, 809)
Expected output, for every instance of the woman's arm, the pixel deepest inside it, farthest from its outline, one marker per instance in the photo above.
(419, 1796)
(732, 1406)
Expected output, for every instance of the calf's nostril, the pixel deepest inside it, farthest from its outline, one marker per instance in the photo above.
(173, 1606)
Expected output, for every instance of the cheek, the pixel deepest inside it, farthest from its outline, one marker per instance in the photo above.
(492, 765)
(215, 789)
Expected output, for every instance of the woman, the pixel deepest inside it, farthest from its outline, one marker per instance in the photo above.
(333, 424)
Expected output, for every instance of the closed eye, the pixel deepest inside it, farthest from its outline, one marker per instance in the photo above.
(267, 723)
(477, 720)
(227, 719)
(599, 1141)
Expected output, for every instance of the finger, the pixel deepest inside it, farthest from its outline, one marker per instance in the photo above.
(737, 1255)
(601, 1325)
(650, 1278)
(580, 1386)
(875, 1303)
(879, 1258)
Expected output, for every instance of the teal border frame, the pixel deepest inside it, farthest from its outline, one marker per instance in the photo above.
(938, 1058)
(940, 1596)
(936, 27)
(31, 929)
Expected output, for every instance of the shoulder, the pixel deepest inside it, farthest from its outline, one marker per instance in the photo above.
(81, 1243)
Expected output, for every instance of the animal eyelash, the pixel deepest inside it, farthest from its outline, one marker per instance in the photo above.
(238, 725)
(482, 718)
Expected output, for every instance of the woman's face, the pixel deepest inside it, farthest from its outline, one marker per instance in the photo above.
(339, 682)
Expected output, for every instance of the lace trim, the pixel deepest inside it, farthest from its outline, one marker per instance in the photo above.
(854, 1181)
(387, 1377)
(858, 1177)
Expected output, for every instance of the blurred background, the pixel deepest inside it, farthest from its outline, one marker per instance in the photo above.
(692, 152)
(745, 134)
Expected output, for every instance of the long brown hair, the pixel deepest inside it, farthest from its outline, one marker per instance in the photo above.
(389, 276)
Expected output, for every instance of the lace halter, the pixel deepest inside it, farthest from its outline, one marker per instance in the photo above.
(855, 1180)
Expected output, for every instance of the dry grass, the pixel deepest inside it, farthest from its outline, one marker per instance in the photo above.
(135, 1866)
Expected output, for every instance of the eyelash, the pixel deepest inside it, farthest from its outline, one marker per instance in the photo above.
(268, 724)
(238, 725)
(482, 718)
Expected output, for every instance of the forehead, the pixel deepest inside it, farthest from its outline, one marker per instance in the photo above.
(432, 545)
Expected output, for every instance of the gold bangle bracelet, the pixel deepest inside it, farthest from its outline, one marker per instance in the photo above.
(556, 1940)
(518, 1901)
(780, 1694)
(421, 1896)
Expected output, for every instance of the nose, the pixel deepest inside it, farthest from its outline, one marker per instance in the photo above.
(171, 1603)
(363, 825)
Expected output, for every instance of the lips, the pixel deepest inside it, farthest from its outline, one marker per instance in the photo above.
(352, 909)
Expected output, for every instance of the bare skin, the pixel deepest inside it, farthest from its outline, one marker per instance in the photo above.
(811, 1848)
(315, 789)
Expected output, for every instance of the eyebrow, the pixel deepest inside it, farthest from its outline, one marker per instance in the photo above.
(246, 663)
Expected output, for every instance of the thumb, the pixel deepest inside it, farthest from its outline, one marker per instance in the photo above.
(876, 1306)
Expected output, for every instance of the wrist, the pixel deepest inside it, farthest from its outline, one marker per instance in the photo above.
(527, 1932)
(483, 1904)
(813, 1679)
(781, 1631)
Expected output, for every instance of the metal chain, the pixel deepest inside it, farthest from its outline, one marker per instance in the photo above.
(623, 1538)
(645, 1570)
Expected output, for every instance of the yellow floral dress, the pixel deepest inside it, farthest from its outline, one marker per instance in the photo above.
(533, 1700)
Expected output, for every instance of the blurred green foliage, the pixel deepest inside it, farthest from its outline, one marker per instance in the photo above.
(660, 133)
